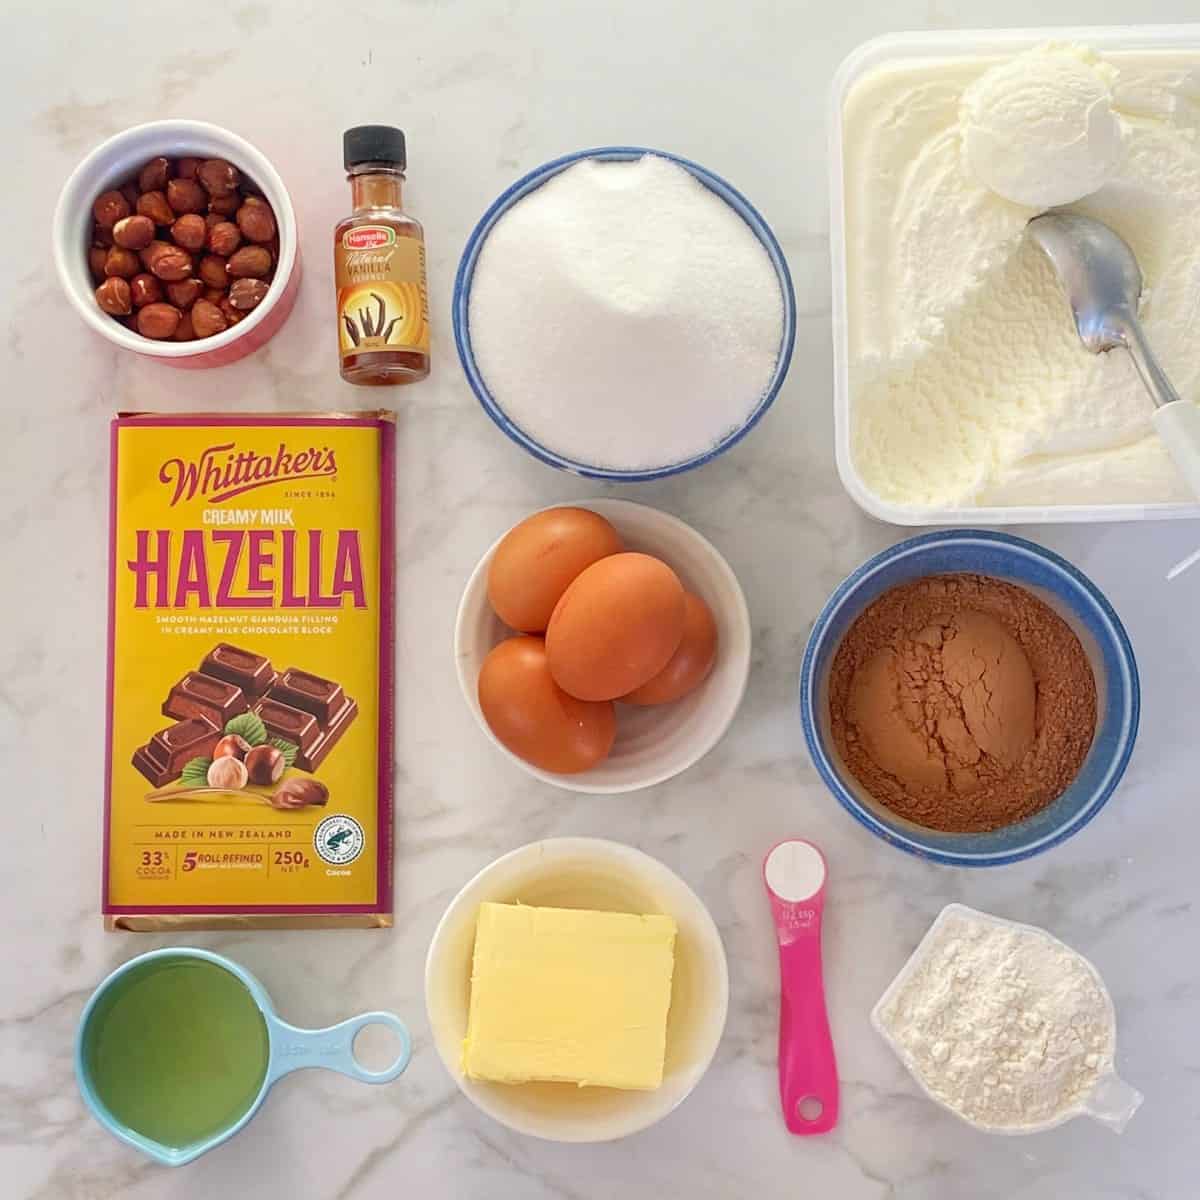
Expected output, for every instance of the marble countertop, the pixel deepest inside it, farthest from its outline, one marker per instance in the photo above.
(486, 91)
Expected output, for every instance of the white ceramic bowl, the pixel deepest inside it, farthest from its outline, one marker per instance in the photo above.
(659, 741)
(115, 161)
(598, 874)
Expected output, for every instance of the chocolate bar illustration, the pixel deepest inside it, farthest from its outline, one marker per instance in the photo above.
(310, 712)
(166, 754)
(197, 695)
(251, 672)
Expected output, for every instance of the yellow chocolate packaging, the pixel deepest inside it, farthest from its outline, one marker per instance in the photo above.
(250, 651)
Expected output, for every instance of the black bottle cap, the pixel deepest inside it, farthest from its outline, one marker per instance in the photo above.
(374, 143)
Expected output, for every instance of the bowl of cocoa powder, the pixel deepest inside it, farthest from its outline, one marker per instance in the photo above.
(970, 697)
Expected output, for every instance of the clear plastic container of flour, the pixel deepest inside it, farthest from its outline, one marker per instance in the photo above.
(981, 43)
(1111, 1101)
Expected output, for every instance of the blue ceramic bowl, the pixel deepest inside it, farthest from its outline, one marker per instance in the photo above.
(462, 302)
(1074, 597)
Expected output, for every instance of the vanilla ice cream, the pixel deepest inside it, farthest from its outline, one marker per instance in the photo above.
(1040, 130)
(968, 383)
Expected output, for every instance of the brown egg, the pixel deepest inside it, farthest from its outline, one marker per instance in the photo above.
(531, 715)
(538, 559)
(691, 663)
(615, 627)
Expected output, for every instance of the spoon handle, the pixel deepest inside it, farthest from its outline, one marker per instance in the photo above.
(1153, 376)
(1178, 425)
(1177, 421)
(808, 1080)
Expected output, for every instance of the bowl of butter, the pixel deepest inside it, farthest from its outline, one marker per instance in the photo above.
(577, 990)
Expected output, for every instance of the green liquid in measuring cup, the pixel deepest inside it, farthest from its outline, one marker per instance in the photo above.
(177, 1050)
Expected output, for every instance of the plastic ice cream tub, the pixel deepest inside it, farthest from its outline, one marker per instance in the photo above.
(1110, 1100)
(958, 44)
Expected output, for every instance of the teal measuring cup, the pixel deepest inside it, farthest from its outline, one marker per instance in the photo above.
(177, 1049)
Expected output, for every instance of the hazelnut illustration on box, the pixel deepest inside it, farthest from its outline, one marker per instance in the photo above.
(250, 671)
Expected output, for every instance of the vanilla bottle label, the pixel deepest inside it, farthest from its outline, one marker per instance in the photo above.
(382, 300)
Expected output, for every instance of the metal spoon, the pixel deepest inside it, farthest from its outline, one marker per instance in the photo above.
(1103, 283)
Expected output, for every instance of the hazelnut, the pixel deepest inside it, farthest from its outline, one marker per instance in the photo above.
(185, 331)
(154, 175)
(212, 271)
(214, 295)
(114, 297)
(158, 321)
(218, 176)
(207, 319)
(184, 292)
(227, 772)
(299, 793)
(245, 294)
(154, 205)
(130, 192)
(249, 261)
(224, 238)
(225, 205)
(186, 196)
(152, 252)
(231, 314)
(146, 290)
(109, 208)
(172, 265)
(265, 764)
(256, 220)
(96, 258)
(119, 261)
(212, 219)
(134, 233)
(102, 236)
(187, 167)
(231, 745)
(189, 231)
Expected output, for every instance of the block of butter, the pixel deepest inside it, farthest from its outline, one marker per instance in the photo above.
(569, 995)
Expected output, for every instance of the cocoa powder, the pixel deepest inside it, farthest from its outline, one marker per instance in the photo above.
(929, 698)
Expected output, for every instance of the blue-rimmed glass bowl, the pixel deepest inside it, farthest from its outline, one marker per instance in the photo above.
(1074, 597)
(462, 302)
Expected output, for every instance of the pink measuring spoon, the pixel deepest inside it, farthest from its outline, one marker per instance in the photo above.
(795, 872)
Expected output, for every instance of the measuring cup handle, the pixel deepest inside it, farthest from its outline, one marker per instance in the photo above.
(1112, 1102)
(807, 1064)
(295, 1049)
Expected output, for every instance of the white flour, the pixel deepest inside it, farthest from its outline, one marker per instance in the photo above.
(625, 316)
(1006, 1026)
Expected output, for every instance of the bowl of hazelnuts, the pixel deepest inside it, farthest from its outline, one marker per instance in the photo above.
(177, 240)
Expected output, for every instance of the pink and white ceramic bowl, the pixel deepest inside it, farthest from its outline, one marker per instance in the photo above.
(115, 161)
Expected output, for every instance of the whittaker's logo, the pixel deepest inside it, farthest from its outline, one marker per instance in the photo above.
(222, 472)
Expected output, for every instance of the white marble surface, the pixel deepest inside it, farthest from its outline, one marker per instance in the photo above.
(485, 91)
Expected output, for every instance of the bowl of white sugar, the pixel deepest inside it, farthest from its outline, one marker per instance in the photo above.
(624, 314)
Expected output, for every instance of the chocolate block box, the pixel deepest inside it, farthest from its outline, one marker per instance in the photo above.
(249, 778)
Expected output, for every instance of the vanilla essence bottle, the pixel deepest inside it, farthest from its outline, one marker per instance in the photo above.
(379, 266)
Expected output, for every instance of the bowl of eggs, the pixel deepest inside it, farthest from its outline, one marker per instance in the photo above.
(603, 647)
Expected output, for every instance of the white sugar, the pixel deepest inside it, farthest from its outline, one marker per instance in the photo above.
(625, 316)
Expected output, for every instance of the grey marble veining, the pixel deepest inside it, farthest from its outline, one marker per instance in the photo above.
(485, 91)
